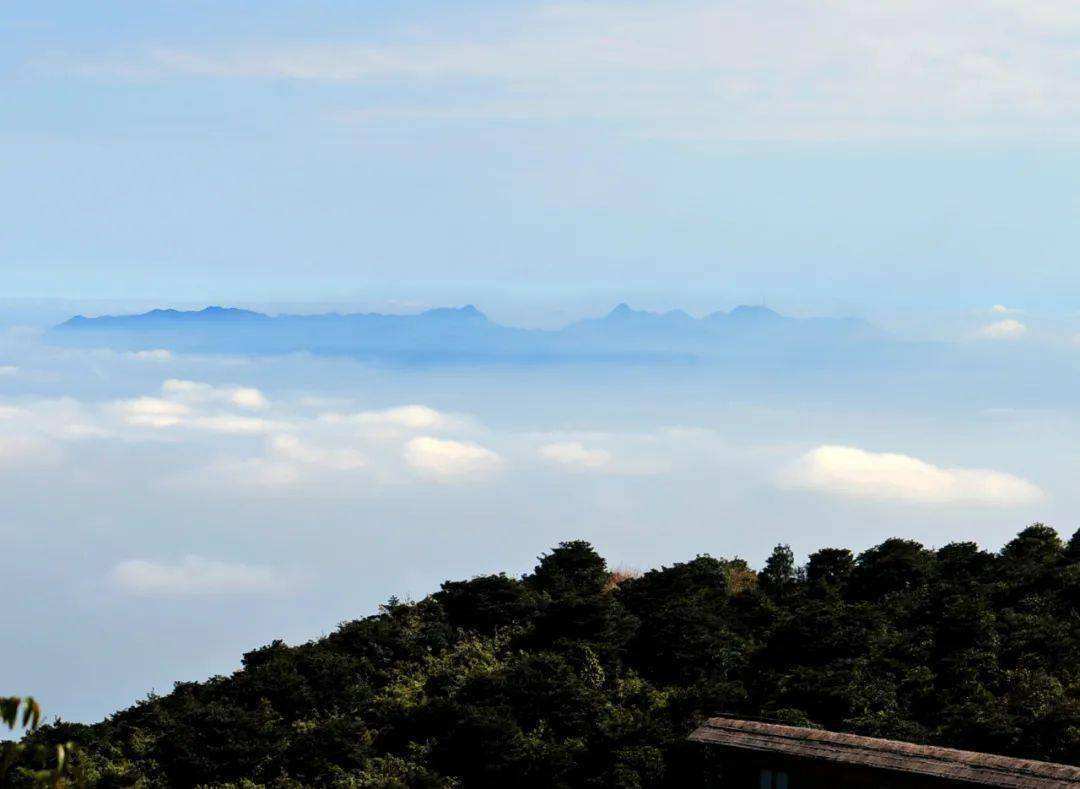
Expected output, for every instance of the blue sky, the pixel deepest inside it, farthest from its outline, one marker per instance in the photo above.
(843, 157)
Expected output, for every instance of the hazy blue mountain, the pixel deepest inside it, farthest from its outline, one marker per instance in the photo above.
(465, 333)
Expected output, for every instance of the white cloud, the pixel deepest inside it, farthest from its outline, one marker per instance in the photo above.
(79, 430)
(1008, 329)
(450, 459)
(8, 370)
(1001, 309)
(290, 463)
(258, 472)
(799, 69)
(289, 447)
(195, 575)
(408, 417)
(635, 453)
(12, 412)
(68, 419)
(151, 411)
(234, 424)
(187, 389)
(154, 355)
(883, 476)
(246, 397)
(54, 418)
(198, 392)
(575, 455)
(184, 403)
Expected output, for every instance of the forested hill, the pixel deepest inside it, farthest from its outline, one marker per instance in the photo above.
(574, 676)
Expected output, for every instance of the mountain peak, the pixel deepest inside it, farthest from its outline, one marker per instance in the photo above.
(214, 311)
(754, 312)
(468, 312)
(678, 315)
(624, 312)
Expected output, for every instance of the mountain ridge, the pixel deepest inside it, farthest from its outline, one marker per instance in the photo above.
(463, 331)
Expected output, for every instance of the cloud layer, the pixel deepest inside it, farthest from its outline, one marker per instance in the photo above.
(408, 417)
(792, 70)
(197, 392)
(575, 455)
(445, 459)
(1008, 329)
(884, 476)
(234, 440)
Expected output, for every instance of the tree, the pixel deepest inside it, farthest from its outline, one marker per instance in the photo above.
(895, 566)
(830, 567)
(572, 569)
(486, 603)
(1037, 546)
(1072, 548)
(25, 713)
(779, 575)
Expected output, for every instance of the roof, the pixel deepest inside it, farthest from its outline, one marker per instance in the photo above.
(870, 752)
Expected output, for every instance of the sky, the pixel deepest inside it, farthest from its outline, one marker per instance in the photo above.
(908, 162)
(826, 157)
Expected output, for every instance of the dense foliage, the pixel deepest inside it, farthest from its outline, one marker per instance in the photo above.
(573, 676)
(52, 765)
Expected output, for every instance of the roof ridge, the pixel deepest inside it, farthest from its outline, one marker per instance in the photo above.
(884, 754)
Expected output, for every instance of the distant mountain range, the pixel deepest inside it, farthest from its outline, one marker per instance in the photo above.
(465, 333)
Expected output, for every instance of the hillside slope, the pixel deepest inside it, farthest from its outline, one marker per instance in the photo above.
(572, 676)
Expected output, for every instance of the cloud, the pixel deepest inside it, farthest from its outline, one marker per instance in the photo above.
(409, 417)
(20, 452)
(793, 70)
(67, 419)
(289, 463)
(151, 411)
(233, 424)
(8, 370)
(1008, 329)
(575, 455)
(54, 418)
(183, 405)
(1001, 309)
(292, 448)
(855, 473)
(621, 453)
(192, 390)
(257, 472)
(198, 392)
(245, 397)
(194, 576)
(155, 355)
(450, 459)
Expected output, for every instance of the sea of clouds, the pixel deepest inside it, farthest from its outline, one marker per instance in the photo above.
(166, 512)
